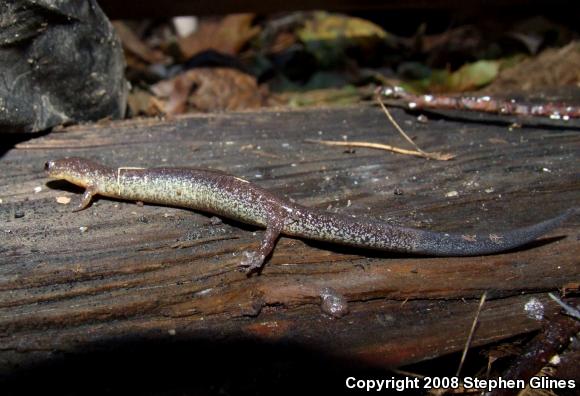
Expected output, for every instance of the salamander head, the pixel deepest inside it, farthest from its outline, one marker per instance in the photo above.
(79, 171)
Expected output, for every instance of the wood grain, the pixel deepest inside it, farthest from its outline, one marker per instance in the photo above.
(118, 272)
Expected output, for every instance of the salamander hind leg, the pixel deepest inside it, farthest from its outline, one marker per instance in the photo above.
(253, 261)
(90, 192)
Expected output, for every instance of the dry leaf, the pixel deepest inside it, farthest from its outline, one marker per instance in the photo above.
(227, 35)
(133, 44)
(554, 67)
(210, 90)
(141, 102)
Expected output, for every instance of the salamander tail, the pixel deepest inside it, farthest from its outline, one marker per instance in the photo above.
(444, 244)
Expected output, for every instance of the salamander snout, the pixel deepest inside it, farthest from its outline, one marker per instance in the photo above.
(57, 168)
(76, 170)
(48, 166)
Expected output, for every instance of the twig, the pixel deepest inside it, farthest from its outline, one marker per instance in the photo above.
(387, 147)
(418, 152)
(437, 156)
(397, 127)
(570, 311)
(485, 104)
(471, 333)
(555, 335)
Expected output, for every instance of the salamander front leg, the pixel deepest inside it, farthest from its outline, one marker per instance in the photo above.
(253, 261)
(90, 192)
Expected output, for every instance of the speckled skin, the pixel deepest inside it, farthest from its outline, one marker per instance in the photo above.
(235, 198)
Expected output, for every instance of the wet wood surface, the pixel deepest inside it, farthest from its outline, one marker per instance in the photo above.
(120, 273)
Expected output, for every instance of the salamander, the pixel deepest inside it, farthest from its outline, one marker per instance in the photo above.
(229, 196)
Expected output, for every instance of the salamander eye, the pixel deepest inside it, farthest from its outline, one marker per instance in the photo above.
(48, 165)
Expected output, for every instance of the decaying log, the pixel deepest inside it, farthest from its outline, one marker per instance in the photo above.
(119, 273)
